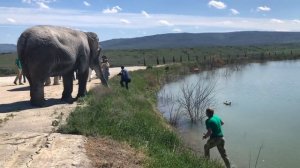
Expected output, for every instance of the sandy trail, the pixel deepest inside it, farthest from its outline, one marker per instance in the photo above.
(27, 134)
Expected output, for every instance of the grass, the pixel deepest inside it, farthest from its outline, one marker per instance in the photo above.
(199, 54)
(136, 57)
(7, 64)
(130, 116)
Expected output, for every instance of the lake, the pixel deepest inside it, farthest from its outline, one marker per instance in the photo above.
(265, 112)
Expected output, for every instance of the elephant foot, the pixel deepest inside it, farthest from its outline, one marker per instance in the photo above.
(37, 103)
(68, 100)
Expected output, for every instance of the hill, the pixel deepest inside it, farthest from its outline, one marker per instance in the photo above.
(7, 48)
(182, 40)
(189, 40)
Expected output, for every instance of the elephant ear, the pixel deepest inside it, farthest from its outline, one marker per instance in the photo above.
(93, 43)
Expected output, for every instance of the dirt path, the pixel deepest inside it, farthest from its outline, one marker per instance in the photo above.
(27, 134)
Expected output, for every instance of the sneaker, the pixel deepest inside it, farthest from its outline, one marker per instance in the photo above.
(15, 82)
(21, 84)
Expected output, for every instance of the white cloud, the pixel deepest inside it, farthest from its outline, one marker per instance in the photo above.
(234, 11)
(86, 20)
(114, 9)
(145, 14)
(276, 21)
(125, 21)
(86, 3)
(42, 5)
(37, 1)
(217, 4)
(296, 21)
(263, 8)
(177, 30)
(165, 23)
(26, 1)
(11, 20)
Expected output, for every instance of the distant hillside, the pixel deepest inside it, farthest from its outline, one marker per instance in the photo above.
(6, 48)
(178, 40)
(184, 40)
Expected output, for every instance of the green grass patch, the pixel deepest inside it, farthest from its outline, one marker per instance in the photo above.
(129, 115)
(7, 64)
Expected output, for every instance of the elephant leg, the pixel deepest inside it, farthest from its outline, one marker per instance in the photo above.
(56, 82)
(37, 93)
(68, 88)
(48, 81)
(82, 81)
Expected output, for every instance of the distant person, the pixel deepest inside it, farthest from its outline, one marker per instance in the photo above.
(105, 67)
(19, 72)
(90, 75)
(215, 134)
(125, 78)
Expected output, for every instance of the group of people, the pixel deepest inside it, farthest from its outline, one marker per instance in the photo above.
(125, 78)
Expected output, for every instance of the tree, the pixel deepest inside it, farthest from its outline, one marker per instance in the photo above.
(173, 59)
(196, 98)
(164, 60)
(157, 61)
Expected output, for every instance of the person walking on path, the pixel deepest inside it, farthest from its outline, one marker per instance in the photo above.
(19, 73)
(215, 134)
(105, 67)
(124, 77)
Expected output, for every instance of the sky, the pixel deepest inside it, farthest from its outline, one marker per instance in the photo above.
(112, 19)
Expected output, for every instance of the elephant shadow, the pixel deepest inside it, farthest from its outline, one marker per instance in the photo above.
(25, 105)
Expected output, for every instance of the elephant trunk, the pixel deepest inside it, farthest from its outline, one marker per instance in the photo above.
(100, 75)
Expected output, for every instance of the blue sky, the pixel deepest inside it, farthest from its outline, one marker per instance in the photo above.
(134, 18)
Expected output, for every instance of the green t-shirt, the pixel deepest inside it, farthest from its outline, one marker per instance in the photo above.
(18, 63)
(214, 123)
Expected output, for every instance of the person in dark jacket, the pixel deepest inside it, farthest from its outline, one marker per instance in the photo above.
(125, 78)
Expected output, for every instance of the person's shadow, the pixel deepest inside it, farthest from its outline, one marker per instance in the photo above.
(20, 89)
(24, 105)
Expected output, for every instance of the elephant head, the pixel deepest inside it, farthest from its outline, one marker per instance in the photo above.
(95, 56)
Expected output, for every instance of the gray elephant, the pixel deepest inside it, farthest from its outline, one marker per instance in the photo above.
(52, 51)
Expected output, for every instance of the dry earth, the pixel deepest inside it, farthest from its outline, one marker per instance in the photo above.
(28, 137)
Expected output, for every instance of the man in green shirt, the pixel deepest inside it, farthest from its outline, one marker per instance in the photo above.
(215, 134)
(19, 75)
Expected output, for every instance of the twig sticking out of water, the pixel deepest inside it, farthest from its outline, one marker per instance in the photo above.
(250, 160)
(261, 146)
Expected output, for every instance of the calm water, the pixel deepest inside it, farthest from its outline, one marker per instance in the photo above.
(265, 111)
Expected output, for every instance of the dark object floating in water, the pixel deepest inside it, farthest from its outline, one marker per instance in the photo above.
(227, 103)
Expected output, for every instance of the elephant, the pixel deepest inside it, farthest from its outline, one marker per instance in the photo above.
(47, 51)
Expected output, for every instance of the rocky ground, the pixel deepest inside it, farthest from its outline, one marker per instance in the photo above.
(28, 135)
